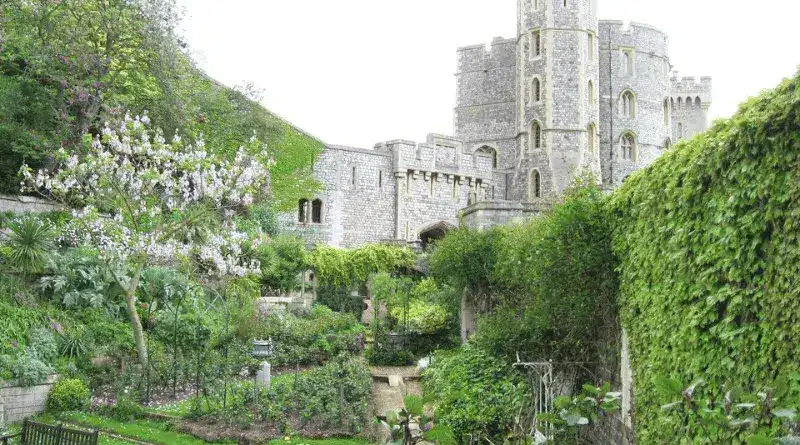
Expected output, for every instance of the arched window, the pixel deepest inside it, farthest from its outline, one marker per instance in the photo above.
(591, 132)
(680, 103)
(666, 112)
(667, 143)
(697, 102)
(536, 135)
(487, 150)
(535, 5)
(689, 103)
(302, 210)
(590, 92)
(537, 44)
(628, 106)
(537, 90)
(590, 46)
(536, 185)
(628, 145)
(316, 211)
(680, 131)
(627, 62)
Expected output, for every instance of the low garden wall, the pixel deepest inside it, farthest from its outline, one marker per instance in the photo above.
(25, 204)
(18, 403)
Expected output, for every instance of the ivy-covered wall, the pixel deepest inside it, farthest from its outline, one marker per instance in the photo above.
(709, 243)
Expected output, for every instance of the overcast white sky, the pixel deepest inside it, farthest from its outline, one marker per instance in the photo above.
(356, 72)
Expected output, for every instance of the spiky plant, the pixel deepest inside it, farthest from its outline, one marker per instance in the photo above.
(29, 242)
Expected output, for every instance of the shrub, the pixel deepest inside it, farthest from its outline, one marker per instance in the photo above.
(476, 393)
(43, 344)
(282, 261)
(29, 242)
(68, 395)
(709, 248)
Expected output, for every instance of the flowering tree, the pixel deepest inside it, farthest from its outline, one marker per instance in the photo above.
(140, 200)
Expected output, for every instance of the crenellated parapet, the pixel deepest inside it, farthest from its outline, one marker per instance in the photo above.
(689, 88)
(500, 54)
(441, 155)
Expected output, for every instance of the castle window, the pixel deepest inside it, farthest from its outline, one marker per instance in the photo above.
(680, 131)
(628, 147)
(666, 112)
(667, 143)
(628, 106)
(380, 179)
(592, 133)
(409, 180)
(590, 47)
(537, 44)
(456, 196)
(489, 151)
(536, 185)
(537, 90)
(627, 62)
(680, 103)
(316, 211)
(302, 209)
(535, 5)
(432, 189)
(590, 92)
(697, 102)
(565, 3)
(536, 136)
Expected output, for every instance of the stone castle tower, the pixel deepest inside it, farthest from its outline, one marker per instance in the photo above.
(569, 94)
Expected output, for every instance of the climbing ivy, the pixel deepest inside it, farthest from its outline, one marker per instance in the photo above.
(351, 267)
(709, 247)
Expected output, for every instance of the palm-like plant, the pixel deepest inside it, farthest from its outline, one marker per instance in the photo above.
(29, 242)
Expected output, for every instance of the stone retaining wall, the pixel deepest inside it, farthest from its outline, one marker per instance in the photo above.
(26, 204)
(18, 403)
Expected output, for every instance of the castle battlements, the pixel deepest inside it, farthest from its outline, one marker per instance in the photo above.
(500, 54)
(441, 155)
(689, 87)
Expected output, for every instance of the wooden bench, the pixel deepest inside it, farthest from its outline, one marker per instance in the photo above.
(34, 433)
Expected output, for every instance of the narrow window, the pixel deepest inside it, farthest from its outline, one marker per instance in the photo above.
(535, 5)
(666, 112)
(592, 130)
(301, 210)
(537, 90)
(316, 211)
(380, 179)
(698, 103)
(565, 3)
(409, 179)
(537, 44)
(680, 103)
(455, 188)
(667, 144)
(432, 190)
(627, 62)
(628, 148)
(353, 179)
(536, 136)
(590, 92)
(680, 131)
(628, 104)
(591, 47)
(536, 184)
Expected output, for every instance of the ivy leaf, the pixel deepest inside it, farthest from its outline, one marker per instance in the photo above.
(759, 440)
(668, 387)
(785, 413)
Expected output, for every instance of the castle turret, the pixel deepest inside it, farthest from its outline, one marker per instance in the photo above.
(557, 95)
(690, 101)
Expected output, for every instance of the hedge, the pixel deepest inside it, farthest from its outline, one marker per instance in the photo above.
(709, 245)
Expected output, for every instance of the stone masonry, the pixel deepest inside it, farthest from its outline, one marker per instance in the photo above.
(569, 94)
(18, 403)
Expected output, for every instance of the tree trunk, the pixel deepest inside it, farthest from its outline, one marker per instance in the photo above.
(136, 323)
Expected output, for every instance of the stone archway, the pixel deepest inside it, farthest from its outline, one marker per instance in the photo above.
(434, 231)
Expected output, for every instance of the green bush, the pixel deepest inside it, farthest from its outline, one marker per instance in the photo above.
(283, 259)
(477, 393)
(709, 248)
(68, 395)
(310, 339)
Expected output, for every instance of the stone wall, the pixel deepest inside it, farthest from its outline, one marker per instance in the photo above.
(689, 101)
(26, 204)
(18, 403)
(649, 84)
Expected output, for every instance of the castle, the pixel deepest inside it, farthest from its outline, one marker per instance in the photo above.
(568, 94)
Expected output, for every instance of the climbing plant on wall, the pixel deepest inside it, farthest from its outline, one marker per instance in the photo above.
(709, 248)
(352, 267)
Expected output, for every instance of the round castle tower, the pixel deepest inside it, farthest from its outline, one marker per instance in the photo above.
(557, 95)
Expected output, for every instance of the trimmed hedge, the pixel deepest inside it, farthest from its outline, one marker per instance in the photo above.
(709, 245)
